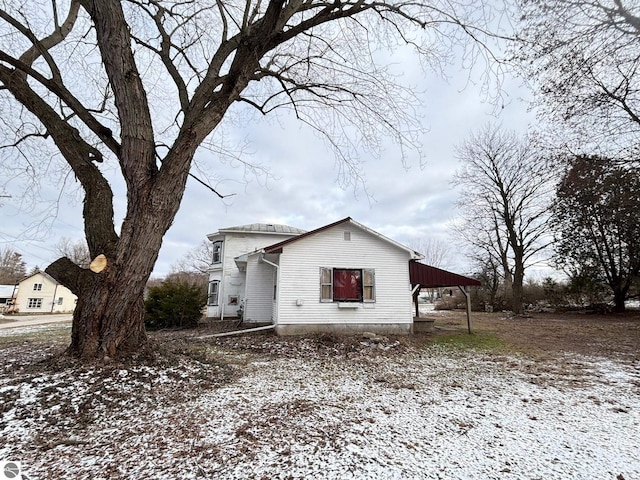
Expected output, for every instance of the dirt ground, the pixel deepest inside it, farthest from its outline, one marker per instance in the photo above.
(615, 336)
(611, 335)
(539, 335)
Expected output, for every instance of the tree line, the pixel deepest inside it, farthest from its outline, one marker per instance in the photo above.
(521, 206)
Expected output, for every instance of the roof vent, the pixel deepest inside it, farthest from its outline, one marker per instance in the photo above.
(347, 236)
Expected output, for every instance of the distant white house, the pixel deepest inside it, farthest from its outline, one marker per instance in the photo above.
(41, 293)
(340, 277)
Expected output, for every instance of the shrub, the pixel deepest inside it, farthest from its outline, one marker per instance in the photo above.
(174, 304)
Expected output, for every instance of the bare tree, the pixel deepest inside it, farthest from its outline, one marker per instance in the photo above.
(142, 84)
(197, 260)
(436, 252)
(76, 251)
(12, 267)
(504, 202)
(193, 267)
(583, 60)
(491, 276)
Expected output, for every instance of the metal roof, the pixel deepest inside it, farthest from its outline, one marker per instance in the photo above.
(6, 291)
(264, 228)
(428, 276)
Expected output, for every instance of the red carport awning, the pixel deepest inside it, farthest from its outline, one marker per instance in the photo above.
(428, 276)
(422, 275)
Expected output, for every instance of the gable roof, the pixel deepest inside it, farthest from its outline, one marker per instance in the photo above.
(40, 272)
(428, 276)
(277, 247)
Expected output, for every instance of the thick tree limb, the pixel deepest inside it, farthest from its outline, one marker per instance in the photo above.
(70, 275)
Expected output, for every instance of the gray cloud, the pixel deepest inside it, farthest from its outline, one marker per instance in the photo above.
(303, 189)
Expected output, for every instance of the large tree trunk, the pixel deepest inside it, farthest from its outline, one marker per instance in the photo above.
(619, 297)
(109, 316)
(516, 300)
(517, 285)
(108, 322)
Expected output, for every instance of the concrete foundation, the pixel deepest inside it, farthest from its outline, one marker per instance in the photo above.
(342, 328)
(423, 325)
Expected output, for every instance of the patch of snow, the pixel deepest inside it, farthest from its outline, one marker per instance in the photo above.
(436, 414)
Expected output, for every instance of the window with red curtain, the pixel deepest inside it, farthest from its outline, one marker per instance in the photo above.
(347, 285)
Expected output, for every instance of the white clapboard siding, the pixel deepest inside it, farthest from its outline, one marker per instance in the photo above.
(233, 281)
(299, 284)
(258, 306)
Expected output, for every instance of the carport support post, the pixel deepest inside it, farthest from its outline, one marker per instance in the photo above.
(415, 293)
(466, 294)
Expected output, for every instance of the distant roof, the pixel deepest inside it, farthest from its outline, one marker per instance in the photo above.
(264, 228)
(40, 272)
(428, 276)
(6, 291)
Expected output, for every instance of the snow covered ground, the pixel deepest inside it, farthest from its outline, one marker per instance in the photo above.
(429, 413)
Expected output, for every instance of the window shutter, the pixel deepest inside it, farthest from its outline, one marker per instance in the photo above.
(368, 285)
(326, 285)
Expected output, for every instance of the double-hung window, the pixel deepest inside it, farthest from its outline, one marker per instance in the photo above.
(34, 303)
(214, 287)
(347, 285)
(217, 252)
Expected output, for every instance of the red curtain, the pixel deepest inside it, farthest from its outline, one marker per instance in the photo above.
(347, 284)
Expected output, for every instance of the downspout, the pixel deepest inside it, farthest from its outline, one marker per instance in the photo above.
(277, 267)
(220, 296)
(14, 299)
(53, 302)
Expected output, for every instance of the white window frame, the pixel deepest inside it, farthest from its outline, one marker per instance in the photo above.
(216, 256)
(367, 279)
(34, 303)
(213, 293)
(37, 287)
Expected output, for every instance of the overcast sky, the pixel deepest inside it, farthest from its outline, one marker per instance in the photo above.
(406, 204)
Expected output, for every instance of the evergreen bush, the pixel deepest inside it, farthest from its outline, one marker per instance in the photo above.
(174, 304)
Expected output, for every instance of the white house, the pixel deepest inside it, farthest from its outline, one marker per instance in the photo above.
(340, 277)
(41, 293)
(227, 278)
